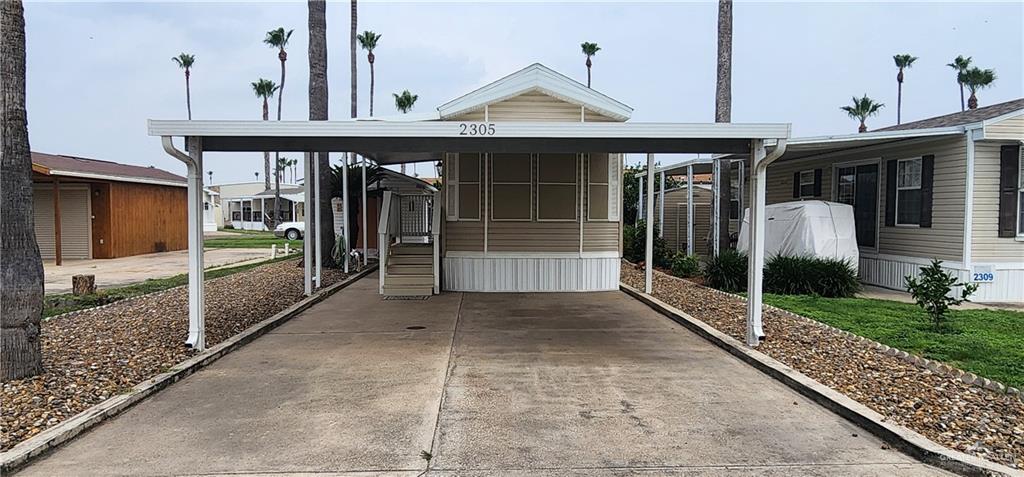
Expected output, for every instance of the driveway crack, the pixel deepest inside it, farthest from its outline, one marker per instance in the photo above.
(444, 386)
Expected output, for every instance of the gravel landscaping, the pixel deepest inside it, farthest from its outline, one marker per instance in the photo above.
(95, 354)
(967, 418)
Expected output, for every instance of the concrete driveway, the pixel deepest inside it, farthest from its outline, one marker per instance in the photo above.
(113, 272)
(493, 384)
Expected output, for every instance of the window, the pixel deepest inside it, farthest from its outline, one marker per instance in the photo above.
(469, 186)
(511, 188)
(1020, 199)
(597, 187)
(806, 184)
(908, 191)
(846, 189)
(557, 177)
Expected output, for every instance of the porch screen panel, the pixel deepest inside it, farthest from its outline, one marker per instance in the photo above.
(469, 186)
(451, 184)
(557, 183)
(511, 188)
(597, 186)
(614, 186)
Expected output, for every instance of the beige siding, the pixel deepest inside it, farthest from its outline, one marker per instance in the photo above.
(1009, 128)
(601, 236)
(986, 244)
(675, 219)
(595, 117)
(943, 240)
(530, 106)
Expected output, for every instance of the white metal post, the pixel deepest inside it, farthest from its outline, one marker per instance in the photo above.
(307, 217)
(344, 206)
(756, 253)
(689, 210)
(661, 207)
(196, 318)
(640, 198)
(364, 212)
(316, 208)
(739, 200)
(716, 173)
(649, 269)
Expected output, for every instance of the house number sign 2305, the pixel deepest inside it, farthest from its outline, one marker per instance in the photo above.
(476, 129)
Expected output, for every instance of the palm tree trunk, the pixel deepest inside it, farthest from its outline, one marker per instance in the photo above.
(723, 114)
(21, 296)
(588, 75)
(961, 95)
(277, 154)
(972, 102)
(863, 127)
(266, 154)
(188, 95)
(899, 101)
(318, 112)
(372, 80)
(353, 67)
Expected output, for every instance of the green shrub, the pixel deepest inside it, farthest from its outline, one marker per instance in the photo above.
(727, 271)
(685, 266)
(827, 277)
(932, 290)
(634, 245)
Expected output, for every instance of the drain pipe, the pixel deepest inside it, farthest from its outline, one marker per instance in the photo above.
(194, 163)
(755, 272)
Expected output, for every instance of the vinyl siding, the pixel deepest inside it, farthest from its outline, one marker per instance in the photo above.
(530, 106)
(944, 240)
(1009, 128)
(675, 219)
(986, 244)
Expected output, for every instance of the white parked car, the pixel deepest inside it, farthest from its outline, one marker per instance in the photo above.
(290, 230)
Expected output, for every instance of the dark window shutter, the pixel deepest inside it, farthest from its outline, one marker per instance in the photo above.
(1009, 168)
(796, 185)
(890, 193)
(927, 175)
(817, 182)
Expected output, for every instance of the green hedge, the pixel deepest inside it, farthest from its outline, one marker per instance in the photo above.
(727, 271)
(634, 245)
(827, 277)
(685, 266)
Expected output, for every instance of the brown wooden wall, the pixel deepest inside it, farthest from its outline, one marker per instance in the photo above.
(147, 218)
(101, 245)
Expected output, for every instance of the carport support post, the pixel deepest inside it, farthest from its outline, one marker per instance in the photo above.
(307, 218)
(716, 209)
(344, 206)
(649, 258)
(317, 236)
(689, 210)
(640, 197)
(661, 207)
(364, 210)
(196, 318)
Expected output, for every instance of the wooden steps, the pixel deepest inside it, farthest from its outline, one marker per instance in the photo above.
(410, 270)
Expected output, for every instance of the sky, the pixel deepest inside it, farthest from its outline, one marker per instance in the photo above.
(98, 71)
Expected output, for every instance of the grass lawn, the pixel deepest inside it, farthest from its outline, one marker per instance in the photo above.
(250, 239)
(64, 303)
(989, 343)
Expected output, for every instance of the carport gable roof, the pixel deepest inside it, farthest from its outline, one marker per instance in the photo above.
(378, 138)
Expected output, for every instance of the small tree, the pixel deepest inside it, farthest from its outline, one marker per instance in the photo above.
(932, 290)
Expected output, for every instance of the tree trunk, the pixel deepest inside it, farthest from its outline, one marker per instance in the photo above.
(723, 113)
(354, 71)
(21, 270)
(899, 101)
(83, 285)
(278, 170)
(588, 72)
(961, 95)
(972, 102)
(372, 80)
(266, 154)
(863, 127)
(318, 112)
(188, 95)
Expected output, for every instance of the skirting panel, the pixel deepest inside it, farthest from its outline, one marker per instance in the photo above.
(530, 274)
(892, 273)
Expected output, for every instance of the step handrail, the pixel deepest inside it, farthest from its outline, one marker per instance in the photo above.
(435, 230)
(389, 217)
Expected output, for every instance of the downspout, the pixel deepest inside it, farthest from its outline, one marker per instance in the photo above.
(755, 278)
(196, 320)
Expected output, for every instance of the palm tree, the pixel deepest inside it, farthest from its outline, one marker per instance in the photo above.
(278, 39)
(977, 79)
(723, 114)
(902, 62)
(960, 64)
(185, 62)
(404, 102)
(265, 90)
(589, 49)
(862, 109)
(353, 66)
(21, 296)
(368, 40)
(318, 102)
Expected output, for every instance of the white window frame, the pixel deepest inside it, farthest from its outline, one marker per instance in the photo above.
(490, 203)
(802, 184)
(607, 185)
(576, 182)
(479, 189)
(1020, 190)
(896, 206)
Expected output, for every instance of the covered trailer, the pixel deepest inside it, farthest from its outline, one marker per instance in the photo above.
(809, 228)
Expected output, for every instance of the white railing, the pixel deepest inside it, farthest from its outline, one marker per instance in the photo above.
(387, 229)
(416, 217)
(435, 230)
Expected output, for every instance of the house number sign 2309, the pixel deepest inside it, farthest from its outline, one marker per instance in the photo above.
(476, 129)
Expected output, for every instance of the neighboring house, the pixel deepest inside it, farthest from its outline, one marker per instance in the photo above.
(212, 216)
(249, 205)
(416, 199)
(676, 209)
(949, 187)
(88, 208)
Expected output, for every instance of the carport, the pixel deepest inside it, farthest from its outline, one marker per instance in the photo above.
(399, 142)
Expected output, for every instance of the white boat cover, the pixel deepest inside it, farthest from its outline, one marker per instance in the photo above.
(809, 228)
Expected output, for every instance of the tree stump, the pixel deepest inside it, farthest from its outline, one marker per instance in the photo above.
(83, 285)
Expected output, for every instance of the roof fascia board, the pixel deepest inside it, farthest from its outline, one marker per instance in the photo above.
(877, 135)
(113, 178)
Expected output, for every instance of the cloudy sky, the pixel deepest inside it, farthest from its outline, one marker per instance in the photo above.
(97, 71)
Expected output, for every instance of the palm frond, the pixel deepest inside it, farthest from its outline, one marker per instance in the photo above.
(862, 107)
(976, 78)
(960, 64)
(904, 61)
(405, 101)
(184, 60)
(368, 40)
(264, 88)
(278, 38)
(590, 49)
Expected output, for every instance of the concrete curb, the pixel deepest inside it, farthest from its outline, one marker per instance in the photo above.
(56, 436)
(901, 438)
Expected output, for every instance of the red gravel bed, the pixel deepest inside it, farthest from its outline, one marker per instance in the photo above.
(93, 355)
(967, 418)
